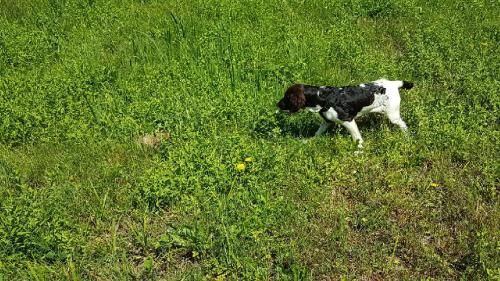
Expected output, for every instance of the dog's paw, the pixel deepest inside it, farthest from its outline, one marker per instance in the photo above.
(360, 148)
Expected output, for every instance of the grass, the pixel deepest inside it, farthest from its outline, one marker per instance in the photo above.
(233, 192)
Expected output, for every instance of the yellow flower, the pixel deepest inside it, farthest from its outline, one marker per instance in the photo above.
(249, 159)
(434, 184)
(240, 167)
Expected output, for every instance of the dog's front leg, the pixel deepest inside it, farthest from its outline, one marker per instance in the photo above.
(322, 129)
(352, 127)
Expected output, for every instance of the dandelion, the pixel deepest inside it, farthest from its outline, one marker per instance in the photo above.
(240, 167)
(434, 184)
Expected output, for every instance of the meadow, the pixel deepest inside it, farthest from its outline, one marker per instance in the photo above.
(235, 191)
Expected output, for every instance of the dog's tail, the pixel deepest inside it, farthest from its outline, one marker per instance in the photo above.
(406, 85)
(395, 83)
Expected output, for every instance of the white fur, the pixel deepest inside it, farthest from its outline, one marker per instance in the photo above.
(331, 114)
(314, 109)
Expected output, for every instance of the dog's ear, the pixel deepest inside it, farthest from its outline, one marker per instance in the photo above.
(296, 97)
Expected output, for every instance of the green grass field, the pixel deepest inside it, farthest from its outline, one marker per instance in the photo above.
(233, 191)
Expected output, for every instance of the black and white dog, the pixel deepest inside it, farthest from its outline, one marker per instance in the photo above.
(344, 104)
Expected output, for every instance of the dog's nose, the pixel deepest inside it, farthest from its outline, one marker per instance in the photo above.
(280, 104)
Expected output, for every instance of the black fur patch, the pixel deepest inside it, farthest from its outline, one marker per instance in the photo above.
(346, 101)
(407, 85)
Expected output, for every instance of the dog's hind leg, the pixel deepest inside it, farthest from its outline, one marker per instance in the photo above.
(393, 110)
(395, 118)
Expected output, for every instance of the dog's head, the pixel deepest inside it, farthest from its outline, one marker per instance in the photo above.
(294, 99)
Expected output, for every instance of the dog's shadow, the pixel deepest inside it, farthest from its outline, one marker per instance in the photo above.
(306, 127)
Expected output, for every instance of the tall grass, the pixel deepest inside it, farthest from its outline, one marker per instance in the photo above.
(234, 192)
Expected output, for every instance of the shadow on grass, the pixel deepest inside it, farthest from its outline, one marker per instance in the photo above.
(304, 125)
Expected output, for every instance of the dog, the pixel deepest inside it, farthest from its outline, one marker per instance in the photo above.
(344, 104)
